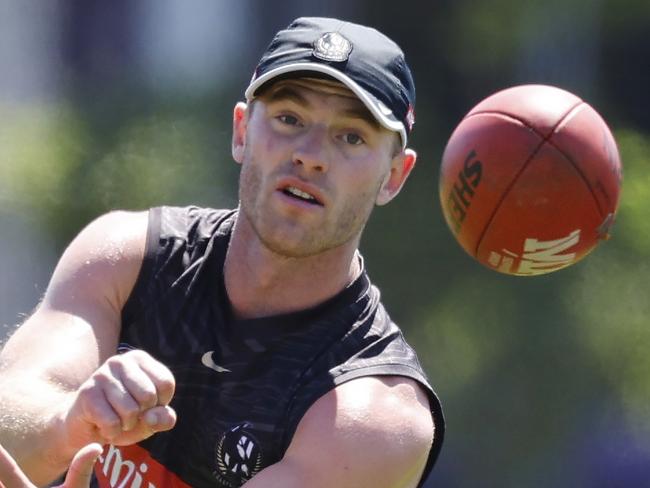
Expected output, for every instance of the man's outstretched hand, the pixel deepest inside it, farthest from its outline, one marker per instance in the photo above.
(78, 476)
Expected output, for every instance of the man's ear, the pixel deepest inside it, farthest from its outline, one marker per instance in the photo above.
(400, 168)
(239, 123)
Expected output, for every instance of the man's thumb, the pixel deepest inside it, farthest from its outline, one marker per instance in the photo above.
(81, 467)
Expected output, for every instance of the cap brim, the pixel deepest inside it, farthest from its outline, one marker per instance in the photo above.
(379, 110)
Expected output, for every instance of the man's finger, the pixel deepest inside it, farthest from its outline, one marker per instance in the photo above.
(98, 411)
(141, 387)
(160, 418)
(10, 474)
(122, 403)
(81, 468)
(162, 378)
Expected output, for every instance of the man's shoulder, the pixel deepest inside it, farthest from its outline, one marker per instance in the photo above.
(112, 235)
(377, 429)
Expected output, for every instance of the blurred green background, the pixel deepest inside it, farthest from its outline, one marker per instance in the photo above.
(127, 104)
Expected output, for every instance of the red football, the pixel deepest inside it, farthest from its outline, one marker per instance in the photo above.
(530, 180)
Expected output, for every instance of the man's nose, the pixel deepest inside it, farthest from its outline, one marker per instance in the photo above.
(312, 150)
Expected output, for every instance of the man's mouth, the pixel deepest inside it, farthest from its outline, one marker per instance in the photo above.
(294, 192)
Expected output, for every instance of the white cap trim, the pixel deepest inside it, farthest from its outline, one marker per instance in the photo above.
(380, 111)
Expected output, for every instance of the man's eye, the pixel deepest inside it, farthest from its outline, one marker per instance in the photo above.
(352, 138)
(288, 119)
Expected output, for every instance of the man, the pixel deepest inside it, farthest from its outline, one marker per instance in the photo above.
(248, 347)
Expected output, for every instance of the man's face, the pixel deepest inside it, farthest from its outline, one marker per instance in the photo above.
(313, 163)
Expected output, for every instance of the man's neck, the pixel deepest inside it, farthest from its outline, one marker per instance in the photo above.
(261, 283)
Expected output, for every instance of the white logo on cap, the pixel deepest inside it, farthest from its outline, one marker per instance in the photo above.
(332, 46)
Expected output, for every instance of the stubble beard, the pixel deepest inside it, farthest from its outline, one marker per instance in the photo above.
(295, 239)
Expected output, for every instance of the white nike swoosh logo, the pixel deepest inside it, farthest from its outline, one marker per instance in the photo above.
(207, 360)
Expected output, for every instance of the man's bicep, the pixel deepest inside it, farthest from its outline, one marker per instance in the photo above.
(77, 324)
(367, 432)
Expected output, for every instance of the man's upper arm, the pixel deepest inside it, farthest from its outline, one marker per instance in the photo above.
(369, 432)
(77, 324)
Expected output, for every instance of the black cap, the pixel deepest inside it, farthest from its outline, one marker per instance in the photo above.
(365, 60)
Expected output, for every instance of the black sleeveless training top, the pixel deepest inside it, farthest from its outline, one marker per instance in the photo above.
(242, 386)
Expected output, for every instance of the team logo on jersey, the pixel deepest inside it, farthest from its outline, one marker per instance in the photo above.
(133, 467)
(208, 362)
(332, 46)
(238, 456)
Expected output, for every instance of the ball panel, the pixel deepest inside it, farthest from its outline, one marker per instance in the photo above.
(482, 159)
(539, 106)
(548, 220)
(588, 143)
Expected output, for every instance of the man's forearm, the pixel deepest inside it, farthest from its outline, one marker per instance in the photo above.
(30, 426)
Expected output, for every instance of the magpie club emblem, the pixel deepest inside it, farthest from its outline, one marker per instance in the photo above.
(238, 456)
(332, 46)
